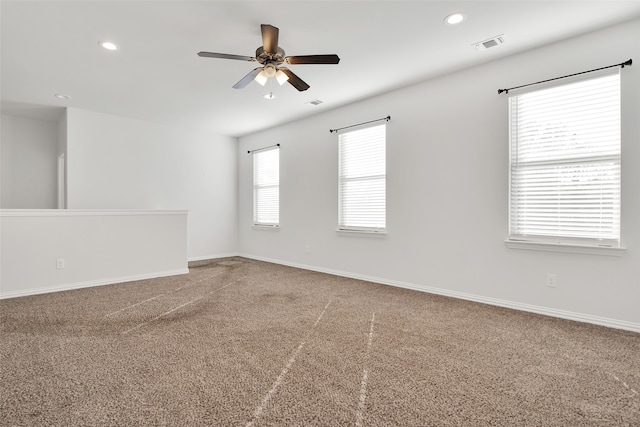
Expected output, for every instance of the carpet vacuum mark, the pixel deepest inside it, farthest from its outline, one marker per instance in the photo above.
(239, 342)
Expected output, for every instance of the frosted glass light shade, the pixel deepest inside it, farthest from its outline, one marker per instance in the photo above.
(261, 78)
(281, 77)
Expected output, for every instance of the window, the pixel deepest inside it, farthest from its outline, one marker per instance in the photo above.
(362, 179)
(565, 164)
(266, 187)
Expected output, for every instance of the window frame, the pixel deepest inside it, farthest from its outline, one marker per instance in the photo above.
(567, 243)
(359, 229)
(259, 187)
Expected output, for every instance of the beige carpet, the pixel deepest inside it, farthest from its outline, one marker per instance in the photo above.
(239, 342)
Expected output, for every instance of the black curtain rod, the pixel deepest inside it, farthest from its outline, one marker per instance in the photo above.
(263, 148)
(347, 127)
(622, 64)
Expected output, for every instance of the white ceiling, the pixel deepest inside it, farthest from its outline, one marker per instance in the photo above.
(51, 47)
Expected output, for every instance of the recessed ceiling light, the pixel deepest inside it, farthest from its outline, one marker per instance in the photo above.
(62, 96)
(454, 18)
(108, 45)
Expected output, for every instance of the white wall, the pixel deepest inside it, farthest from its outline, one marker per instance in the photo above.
(97, 248)
(447, 187)
(119, 163)
(28, 151)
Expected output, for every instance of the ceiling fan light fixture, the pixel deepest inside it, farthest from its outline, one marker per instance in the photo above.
(269, 70)
(270, 95)
(271, 56)
(281, 77)
(261, 78)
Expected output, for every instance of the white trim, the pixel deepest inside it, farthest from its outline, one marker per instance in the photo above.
(211, 257)
(272, 227)
(563, 247)
(87, 212)
(361, 233)
(552, 312)
(92, 283)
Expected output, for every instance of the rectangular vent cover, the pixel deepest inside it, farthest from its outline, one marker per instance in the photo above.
(489, 43)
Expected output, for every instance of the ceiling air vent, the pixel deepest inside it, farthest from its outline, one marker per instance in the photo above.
(314, 102)
(489, 43)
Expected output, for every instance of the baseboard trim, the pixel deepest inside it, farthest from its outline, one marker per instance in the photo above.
(91, 283)
(546, 311)
(211, 257)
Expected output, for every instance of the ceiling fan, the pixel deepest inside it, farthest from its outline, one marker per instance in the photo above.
(271, 56)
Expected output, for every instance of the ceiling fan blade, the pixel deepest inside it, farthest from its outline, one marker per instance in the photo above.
(225, 56)
(295, 81)
(312, 59)
(269, 38)
(248, 78)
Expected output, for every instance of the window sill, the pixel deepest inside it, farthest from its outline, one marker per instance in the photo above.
(266, 227)
(560, 247)
(362, 233)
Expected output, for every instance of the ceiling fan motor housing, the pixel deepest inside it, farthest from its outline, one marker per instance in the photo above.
(264, 58)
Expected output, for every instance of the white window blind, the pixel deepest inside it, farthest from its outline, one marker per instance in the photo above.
(266, 187)
(362, 179)
(565, 163)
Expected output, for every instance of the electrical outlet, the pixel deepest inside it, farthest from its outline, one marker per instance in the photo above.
(552, 281)
(307, 249)
(60, 263)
